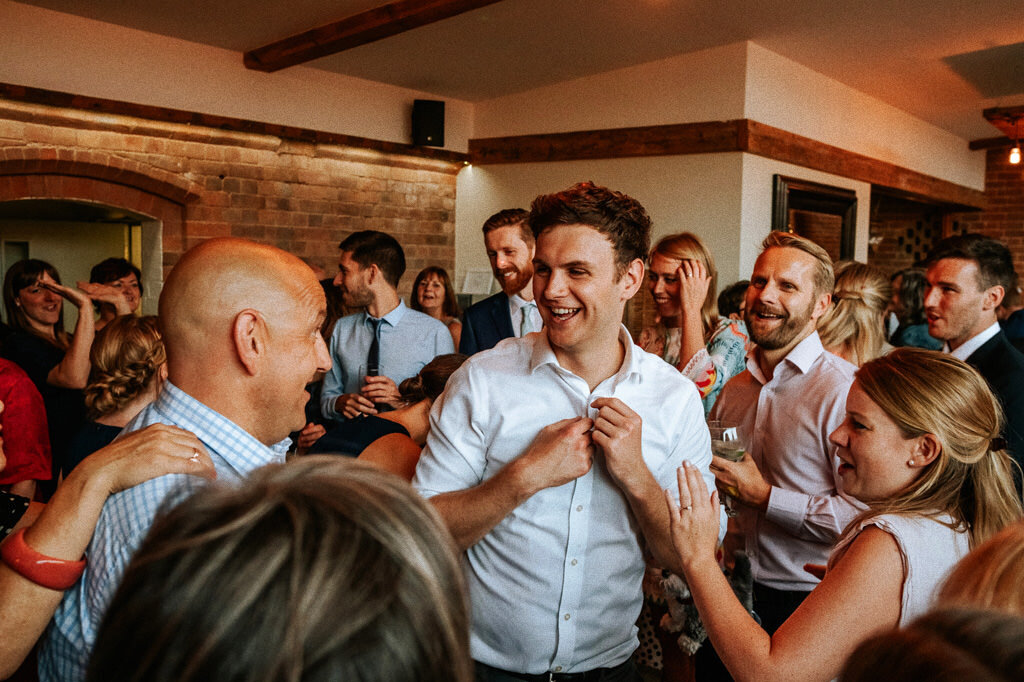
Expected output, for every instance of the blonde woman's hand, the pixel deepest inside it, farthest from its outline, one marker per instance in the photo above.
(694, 521)
(157, 450)
(694, 281)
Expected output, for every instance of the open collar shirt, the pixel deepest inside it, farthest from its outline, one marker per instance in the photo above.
(786, 421)
(126, 518)
(967, 348)
(555, 586)
(409, 339)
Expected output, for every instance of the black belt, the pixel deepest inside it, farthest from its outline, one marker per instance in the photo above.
(594, 675)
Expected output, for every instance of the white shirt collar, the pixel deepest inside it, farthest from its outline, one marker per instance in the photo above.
(802, 356)
(967, 348)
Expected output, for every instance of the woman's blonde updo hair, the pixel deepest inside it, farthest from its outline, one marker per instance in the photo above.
(688, 246)
(853, 326)
(926, 391)
(125, 357)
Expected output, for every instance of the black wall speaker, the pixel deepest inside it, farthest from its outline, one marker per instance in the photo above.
(428, 123)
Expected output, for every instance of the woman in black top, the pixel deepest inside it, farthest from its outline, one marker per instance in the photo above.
(57, 362)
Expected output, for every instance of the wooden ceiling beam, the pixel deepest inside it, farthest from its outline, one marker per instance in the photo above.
(358, 29)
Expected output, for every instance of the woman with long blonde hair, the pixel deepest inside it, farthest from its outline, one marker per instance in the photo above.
(920, 447)
(689, 334)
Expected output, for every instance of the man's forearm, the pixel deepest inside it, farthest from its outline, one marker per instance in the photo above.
(648, 506)
(470, 514)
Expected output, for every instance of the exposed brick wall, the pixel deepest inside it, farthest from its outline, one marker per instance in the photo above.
(1004, 217)
(203, 182)
(902, 232)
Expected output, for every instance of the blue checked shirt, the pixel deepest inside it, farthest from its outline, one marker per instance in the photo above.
(126, 518)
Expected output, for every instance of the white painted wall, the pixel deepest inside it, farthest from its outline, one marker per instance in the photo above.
(701, 86)
(787, 95)
(697, 193)
(756, 212)
(45, 49)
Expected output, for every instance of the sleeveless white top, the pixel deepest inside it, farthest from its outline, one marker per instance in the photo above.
(928, 548)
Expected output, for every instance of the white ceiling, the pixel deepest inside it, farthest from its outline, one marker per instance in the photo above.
(941, 60)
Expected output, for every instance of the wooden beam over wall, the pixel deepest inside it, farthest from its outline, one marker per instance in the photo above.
(358, 29)
(21, 93)
(739, 135)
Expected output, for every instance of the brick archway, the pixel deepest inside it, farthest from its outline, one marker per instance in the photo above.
(98, 177)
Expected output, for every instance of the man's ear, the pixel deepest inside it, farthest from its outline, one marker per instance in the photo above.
(249, 333)
(821, 305)
(993, 297)
(632, 279)
(373, 273)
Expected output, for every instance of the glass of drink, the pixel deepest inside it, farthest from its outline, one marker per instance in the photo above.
(727, 444)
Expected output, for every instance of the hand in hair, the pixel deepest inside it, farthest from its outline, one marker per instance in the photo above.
(694, 281)
(743, 478)
(105, 293)
(381, 389)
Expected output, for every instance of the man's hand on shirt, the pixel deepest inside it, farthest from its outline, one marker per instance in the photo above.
(560, 453)
(742, 480)
(352, 405)
(381, 389)
(617, 432)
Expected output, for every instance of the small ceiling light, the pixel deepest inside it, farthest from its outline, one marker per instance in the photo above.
(1015, 154)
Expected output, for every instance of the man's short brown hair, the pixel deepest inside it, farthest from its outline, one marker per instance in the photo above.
(619, 217)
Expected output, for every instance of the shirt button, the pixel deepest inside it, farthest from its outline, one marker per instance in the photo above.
(566, 616)
(579, 507)
(574, 562)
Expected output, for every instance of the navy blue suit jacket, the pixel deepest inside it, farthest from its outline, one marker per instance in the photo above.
(1002, 365)
(486, 323)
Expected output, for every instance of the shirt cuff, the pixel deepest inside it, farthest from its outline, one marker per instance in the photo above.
(787, 508)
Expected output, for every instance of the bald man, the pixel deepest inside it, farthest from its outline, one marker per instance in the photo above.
(241, 324)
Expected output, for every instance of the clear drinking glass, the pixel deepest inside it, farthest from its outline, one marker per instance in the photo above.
(726, 443)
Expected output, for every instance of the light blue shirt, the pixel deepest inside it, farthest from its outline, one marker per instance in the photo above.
(555, 586)
(409, 339)
(126, 518)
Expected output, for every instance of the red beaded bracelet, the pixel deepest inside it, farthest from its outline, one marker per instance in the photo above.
(45, 571)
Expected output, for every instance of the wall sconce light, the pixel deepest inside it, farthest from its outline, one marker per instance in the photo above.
(1015, 152)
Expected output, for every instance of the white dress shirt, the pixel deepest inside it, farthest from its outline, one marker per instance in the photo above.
(786, 422)
(516, 303)
(967, 348)
(555, 586)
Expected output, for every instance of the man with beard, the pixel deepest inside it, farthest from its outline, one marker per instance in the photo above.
(791, 396)
(375, 350)
(512, 311)
(241, 323)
